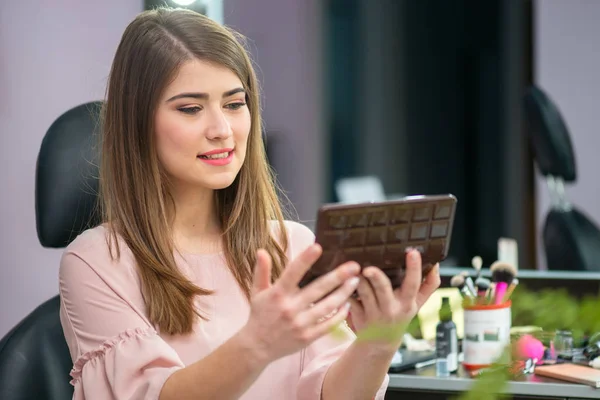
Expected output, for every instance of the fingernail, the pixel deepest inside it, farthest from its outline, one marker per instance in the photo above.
(408, 250)
(353, 268)
(347, 305)
(414, 255)
(353, 282)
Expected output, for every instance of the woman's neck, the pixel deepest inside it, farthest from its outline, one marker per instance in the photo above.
(196, 226)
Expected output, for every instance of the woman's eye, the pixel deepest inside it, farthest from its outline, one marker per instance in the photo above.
(235, 106)
(190, 110)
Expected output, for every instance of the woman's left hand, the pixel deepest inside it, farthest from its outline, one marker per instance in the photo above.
(381, 307)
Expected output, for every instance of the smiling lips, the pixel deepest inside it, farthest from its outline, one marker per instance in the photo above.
(217, 157)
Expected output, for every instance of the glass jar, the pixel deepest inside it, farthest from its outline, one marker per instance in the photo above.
(563, 344)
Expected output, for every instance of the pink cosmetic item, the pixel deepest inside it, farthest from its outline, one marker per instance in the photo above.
(528, 347)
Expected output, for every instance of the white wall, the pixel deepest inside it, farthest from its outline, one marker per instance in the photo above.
(54, 55)
(567, 65)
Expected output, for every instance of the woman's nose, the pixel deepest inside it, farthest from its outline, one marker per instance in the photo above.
(218, 126)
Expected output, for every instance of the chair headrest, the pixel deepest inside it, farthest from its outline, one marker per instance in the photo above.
(550, 137)
(66, 182)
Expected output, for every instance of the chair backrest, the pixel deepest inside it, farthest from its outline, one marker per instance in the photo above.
(34, 357)
(550, 138)
(66, 185)
(571, 239)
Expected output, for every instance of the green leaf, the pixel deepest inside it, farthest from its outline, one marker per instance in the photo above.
(382, 332)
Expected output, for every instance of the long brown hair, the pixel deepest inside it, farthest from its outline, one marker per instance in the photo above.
(134, 188)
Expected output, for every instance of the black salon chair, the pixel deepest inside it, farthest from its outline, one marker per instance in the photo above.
(34, 357)
(571, 239)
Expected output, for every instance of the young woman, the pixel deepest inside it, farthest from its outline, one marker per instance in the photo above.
(189, 289)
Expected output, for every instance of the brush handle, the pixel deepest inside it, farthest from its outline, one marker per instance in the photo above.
(482, 292)
(465, 292)
(490, 293)
(500, 292)
(469, 283)
(509, 292)
(481, 296)
(462, 291)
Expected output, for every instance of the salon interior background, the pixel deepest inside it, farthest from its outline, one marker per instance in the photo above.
(424, 94)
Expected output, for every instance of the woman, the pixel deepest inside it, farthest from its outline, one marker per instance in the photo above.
(182, 292)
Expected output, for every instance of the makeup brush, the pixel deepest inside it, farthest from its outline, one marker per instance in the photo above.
(469, 283)
(510, 289)
(503, 275)
(483, 284)
(458, 281)
(477, 263)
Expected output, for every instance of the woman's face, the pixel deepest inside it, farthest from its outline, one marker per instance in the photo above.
(202, 126)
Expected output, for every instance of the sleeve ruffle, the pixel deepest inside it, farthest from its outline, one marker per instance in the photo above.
(133, 365)
(106, 347)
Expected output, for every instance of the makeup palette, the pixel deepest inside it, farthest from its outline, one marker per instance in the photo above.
(379, 234)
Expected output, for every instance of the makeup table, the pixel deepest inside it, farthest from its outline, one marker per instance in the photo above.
(424, 385)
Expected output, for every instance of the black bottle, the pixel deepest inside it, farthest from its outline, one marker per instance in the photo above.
(446, 342)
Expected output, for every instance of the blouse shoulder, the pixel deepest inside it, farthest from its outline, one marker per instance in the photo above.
(95, 248)
(299, 236)
(93, 241)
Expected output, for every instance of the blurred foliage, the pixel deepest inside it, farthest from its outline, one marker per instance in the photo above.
(549, 309)
(382, 332)
(555, 309)
(491, 383)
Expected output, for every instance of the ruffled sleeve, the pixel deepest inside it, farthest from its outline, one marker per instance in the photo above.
(116, 352)
(133, 365)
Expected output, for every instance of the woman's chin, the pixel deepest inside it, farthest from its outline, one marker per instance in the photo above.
(217, 184)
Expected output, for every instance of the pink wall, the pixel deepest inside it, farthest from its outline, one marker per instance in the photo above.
(53, 55)
(57, 54)
(286, 41)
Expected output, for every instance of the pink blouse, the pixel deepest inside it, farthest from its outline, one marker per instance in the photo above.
(118, 353)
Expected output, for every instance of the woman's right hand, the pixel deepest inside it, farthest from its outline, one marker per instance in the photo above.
(285, 318)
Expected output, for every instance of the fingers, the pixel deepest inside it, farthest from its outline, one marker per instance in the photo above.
(331, 303)
(327, 325)
(262, 271)
(356, 306)
(382, 287)
(357, 312)
(325, 284)
(412, 279)
(430, 285)
(293, 273)
(368, 299)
